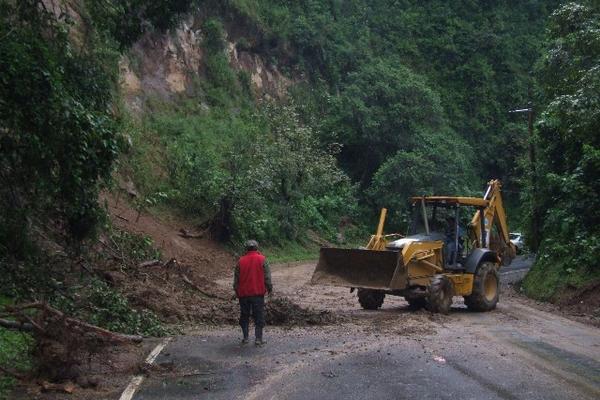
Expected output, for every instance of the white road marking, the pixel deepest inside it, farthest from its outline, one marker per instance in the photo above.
(152, 356)
(129, 391)
(137, 380)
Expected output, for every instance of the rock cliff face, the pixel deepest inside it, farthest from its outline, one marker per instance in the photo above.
(167, 64)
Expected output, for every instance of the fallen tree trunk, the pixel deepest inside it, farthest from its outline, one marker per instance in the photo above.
(150, 263)
(12, 374)
(189, 235)
(18, 311)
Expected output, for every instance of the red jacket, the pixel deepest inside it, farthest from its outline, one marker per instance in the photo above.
(251, 275)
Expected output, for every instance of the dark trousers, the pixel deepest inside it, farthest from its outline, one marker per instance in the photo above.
(254, 306)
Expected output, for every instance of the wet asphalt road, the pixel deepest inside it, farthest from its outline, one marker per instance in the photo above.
(514, 352)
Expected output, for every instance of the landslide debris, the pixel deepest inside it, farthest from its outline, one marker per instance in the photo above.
(182, 290)
(282, 311)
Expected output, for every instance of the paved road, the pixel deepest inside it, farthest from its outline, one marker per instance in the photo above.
(517, 269)
(514, 352)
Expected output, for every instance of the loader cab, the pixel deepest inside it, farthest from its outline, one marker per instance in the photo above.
(441, 221)
(446, 220)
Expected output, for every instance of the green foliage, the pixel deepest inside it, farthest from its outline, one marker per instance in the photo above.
(412, 95)
(437, 164)
(260, 174)
(15, 348)
(218, 73)
(382, 107)
(137, 248)
(99, 304)
(474, 57)
(126, 20)
(568, 263)
(58, 132)
(84, 296)
(214, 36)
(291, 251)
(15, 353)
(569, 147)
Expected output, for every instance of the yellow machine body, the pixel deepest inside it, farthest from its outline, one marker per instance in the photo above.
(395, 271)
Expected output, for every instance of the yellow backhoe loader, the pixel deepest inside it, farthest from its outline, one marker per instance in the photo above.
(435, 261)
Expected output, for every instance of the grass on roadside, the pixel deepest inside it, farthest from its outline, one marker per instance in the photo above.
(548, 281)
(291, 251)
(15, 354)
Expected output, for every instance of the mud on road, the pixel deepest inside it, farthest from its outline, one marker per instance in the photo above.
(514, 352)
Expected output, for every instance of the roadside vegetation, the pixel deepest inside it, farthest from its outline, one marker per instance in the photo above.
(15, 352)
(60, 135)
(569, 169)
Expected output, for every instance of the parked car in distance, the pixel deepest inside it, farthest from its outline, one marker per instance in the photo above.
(517, 239)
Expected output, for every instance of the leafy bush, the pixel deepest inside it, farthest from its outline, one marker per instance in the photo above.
(253, 174)
(15, 348)
(137, 248)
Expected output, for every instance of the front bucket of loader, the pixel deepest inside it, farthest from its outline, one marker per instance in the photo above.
(360, 269)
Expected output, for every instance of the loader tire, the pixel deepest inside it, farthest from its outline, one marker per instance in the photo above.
(484, 296)
(439, 294)
(416, 303)
(370, 299)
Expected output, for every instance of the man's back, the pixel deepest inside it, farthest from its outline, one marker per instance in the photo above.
(251, 275)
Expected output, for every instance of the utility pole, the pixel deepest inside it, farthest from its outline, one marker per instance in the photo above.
(535, 220)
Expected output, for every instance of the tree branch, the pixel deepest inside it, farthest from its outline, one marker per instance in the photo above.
(16, 325)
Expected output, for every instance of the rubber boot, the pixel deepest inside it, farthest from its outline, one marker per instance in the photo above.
(258, 334)
(245, 333)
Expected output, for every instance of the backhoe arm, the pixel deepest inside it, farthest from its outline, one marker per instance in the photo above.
(494, 214)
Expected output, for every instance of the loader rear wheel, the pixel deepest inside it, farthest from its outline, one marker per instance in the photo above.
(484, 296)
(370, 299)
(439, 294)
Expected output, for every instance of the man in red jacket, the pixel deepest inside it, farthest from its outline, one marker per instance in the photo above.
(252, 280)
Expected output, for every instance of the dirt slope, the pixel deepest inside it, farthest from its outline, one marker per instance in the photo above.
(202, 255)
(186, 290)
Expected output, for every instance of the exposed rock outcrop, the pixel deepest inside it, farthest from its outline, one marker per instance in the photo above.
(168, 64)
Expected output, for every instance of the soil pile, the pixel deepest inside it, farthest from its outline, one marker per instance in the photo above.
(282, 311)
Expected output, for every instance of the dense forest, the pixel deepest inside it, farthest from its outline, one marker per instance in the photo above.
(398, 86)
(386, 100)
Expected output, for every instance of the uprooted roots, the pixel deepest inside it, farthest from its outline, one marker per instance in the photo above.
(62, 342)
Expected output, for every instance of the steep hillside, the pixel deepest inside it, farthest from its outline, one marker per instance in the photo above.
(396, 86)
